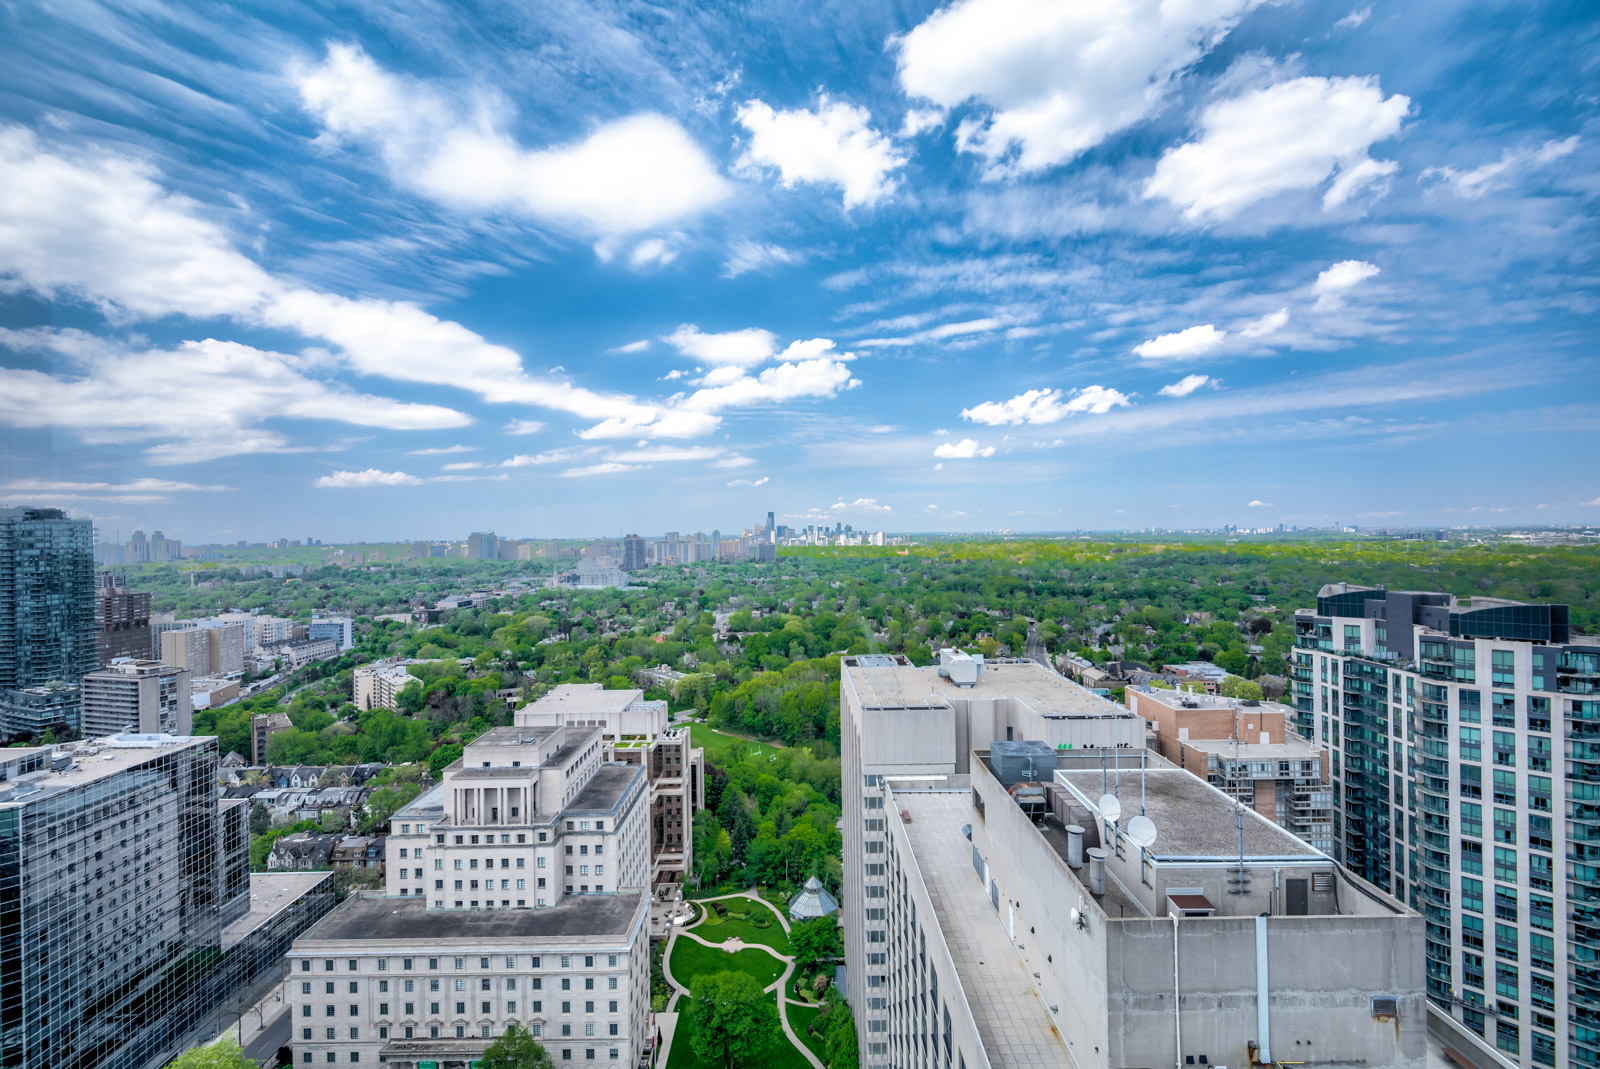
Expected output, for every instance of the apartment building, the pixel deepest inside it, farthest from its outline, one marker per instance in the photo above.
(206, 647)
(515, 894)
(378, 685)
(262, 727)
(1249, 750)
(141, 697)
(127, 910)
(341, 629)
(121, 619)
(900, 720)
(47, 619)
(1465, 753)
(635, 731)
(1046, 936)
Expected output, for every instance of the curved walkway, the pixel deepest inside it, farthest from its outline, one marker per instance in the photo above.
(733, 946)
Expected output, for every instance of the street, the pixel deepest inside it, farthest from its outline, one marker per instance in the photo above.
(263, 1049)
(1035, 650)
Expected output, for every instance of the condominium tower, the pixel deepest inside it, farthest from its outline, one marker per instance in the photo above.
(1465, 742)
(47, 619)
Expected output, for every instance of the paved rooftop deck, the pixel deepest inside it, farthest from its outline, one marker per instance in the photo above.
(1013, 1023)
(383, 919)
(270, 894)
(1039, 687)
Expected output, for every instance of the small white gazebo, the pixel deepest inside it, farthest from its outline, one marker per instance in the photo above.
(812, 902)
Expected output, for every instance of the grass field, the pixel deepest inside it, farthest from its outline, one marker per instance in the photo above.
(779, 1055)
(799, 1018)
(721, 930)
(690, 959)
(725, 749)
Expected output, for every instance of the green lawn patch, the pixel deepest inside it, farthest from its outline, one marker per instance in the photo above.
(780, 1054)
(690, 959)
(726, 749)
(721, 929)
(799, 1018)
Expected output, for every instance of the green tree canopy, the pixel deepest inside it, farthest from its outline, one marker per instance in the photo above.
(517, 1049)
(815, 941)
(734, 1020)
(223, 1054)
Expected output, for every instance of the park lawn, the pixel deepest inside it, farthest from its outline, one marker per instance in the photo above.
(781, 1054)
(723, 749)
(690, 959)
(799, 1018)
(734, 927)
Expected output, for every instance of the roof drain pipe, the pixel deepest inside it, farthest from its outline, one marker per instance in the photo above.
(1177, 996)
(1263, 1005)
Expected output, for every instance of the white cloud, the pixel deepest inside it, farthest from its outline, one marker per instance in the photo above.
(521, 427)
(607, 467)
(1260, 504)
(808, 370)
(442, 450)
(834, 145)
(921, 119)
(735, 348)
(554, 456)
(1293, 135)
(340, 480)
(664, 453)
(747, 256)
(1194, 341)
(750, 482)
(1596, 501)
(1333, 283)
(637, 173)
(965, 449)
(632, 347)
(97, 226)
(132, 486)
(1046, 406)
(203, 398)
(1270, 323)
(653, 252)
(1056, 78)
(1354, 19)
(1480, 181)
(464, 465)
(735, 460)
(1184, 386)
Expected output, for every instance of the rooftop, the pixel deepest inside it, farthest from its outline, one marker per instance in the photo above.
(408, 920)
(427, 806)
(1012, 1022)
(893, 685)
(95, 760)
(1194, 819)
(1184, 700)
(270, 894)
(585, 698)
(1293, 748)
(602, 793)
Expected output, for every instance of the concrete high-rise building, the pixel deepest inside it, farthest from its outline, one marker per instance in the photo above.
(635, 731)
(47, 618)
(127, 912)
(139, 697)
(516, 894)
(633, 553)
(1465, 742)
(897, 719)
(772, 528)
(483, 545)
(1248, 750)
(121, 620)
(1000, 912)
(206, 647)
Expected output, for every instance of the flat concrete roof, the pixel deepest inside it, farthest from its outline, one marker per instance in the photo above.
(270, 894)
(514, 736)
(1041, 688)
(581, 698)
(1013, 1023)
(602, 793)
(1192, 818)
(382, 919)
(1174, 699)
(1292, 749)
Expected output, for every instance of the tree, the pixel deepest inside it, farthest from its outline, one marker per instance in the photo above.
(815, 941)
(443, 757)
(517, 1049)
(839, 1036)
(223, 1054)
(734, 1021)
(260, 819)
(1235, 687)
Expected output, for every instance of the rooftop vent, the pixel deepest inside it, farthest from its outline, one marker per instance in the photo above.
(1385, 1007)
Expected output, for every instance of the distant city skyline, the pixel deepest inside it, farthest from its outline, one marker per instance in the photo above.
(991, 264)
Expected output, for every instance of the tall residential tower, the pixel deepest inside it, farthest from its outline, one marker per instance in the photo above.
(47, 619)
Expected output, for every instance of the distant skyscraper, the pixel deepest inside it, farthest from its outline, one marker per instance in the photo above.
(772, 529)
(122, 619)
(483, 545)
(47, 618)
(632, 553)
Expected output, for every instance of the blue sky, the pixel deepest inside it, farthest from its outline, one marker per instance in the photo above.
(411, 269)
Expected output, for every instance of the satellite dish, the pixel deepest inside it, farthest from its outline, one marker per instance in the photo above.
(1109, 807)
(1141, 831)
